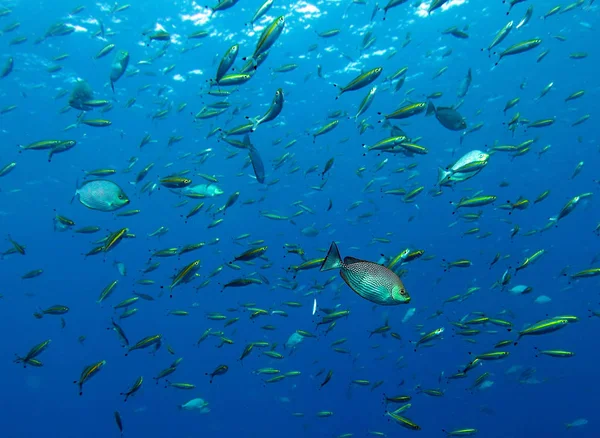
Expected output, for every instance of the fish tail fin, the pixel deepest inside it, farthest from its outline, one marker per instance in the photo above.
(247, 142)
(430, 109)
(76, 189)
(252, 60)
(442, 175)
(255, 122)
(333, 259)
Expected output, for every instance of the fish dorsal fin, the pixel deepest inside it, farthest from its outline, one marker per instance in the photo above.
(431, 109)
(351, 260)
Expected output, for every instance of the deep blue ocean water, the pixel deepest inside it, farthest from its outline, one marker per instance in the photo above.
(45, 402)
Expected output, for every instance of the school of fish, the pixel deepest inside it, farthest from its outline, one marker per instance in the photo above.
(400, 130)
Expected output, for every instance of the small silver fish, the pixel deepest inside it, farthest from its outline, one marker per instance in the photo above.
(120, 267)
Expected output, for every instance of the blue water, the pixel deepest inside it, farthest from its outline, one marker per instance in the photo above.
(45, 402)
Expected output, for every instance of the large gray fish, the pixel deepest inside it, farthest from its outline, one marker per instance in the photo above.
(118, 67)
(371, 281)
(82, 92)
(447, 116)
(102, 195)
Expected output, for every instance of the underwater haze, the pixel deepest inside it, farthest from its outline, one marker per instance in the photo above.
(287, 218)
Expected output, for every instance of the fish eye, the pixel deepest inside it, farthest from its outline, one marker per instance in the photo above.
(121, 196)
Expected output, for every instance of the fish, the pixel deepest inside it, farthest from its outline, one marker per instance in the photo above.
(501, 35)
(465, 168)
(101, 195)
(197, 404)
(267, 38)
(261, 11)
(255, 159)
(521, 47)
(361, 80)
(464, 86)
(118, 67)
(273, 111)
(372, 281)
(207, 190)
(227, 62)
(448, 117)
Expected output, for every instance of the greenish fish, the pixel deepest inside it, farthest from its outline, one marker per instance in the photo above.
(370, 280)
(102, 195)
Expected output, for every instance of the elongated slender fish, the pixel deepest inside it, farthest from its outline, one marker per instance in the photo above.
(272, 112)
(361, 80)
